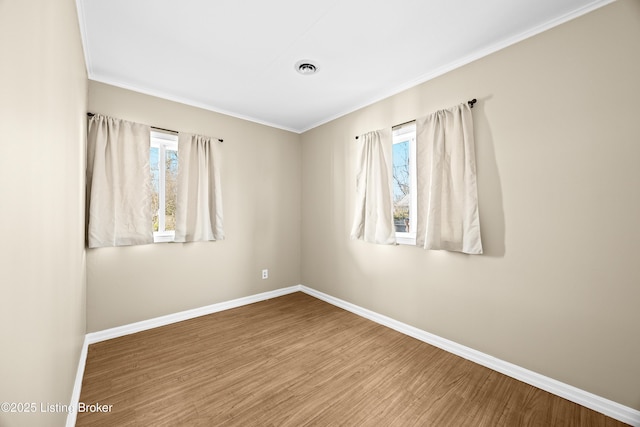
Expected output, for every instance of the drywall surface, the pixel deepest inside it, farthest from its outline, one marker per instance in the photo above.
(557, 141)
(260, 178)
(43, 96)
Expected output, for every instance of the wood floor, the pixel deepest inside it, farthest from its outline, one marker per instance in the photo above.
(298, 361)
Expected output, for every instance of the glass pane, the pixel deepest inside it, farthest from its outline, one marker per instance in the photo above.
(155, 185)
(401, 186)
(171, 170)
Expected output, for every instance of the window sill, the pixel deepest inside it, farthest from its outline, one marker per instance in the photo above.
(163, 237)
(406, 239)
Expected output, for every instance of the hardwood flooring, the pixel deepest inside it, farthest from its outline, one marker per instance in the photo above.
(298, 361)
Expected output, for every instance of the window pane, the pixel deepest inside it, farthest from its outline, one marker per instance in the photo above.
(171, 170)
(155, 185)
(401, 186)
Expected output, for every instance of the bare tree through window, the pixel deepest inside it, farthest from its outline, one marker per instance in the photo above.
(401, 186)
(164, 181)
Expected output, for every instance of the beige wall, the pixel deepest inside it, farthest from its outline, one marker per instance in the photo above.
(558, 145)
(43, 90)
(261, 198)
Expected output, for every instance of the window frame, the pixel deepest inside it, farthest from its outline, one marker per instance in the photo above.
(400, 134)
(163, 141)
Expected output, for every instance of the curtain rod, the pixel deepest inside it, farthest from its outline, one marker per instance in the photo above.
(473, 101)
(157, 128)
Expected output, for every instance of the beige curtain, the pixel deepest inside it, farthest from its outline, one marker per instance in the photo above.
(447, 189)
(373, 219)
(118, 183)
(199, 204)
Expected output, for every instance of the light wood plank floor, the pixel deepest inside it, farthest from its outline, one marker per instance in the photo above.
(298, 361)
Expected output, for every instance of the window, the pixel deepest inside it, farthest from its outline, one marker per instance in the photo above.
(404, 183)
(164, 182)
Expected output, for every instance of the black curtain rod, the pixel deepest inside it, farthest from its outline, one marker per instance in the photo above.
(473, 101)
(156, 128)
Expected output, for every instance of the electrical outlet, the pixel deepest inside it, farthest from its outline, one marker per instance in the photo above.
(265, 274)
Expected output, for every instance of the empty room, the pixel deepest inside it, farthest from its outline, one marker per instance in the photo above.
(295, 213)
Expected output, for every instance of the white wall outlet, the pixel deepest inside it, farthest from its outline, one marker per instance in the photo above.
(265, 274)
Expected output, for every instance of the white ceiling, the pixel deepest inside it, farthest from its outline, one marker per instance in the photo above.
(237, 56)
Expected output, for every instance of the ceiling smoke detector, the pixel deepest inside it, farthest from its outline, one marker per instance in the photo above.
(306, 67)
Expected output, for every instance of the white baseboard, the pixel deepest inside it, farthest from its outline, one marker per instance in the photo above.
(132, 328)
(600, 404)
(77, 385)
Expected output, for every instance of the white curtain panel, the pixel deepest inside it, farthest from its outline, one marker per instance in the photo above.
(447, 188)
(373, 218)
(199, 204)
(118, 183)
